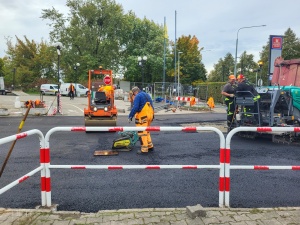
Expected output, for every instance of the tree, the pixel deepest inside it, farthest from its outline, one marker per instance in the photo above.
(291, 45)
(98, 32)
(290, 50)
(91, 34)
(191, 68)
(225, 67)
(31, 60)
(2, 73)
(247, 66)
(145, 38)
(222, 69)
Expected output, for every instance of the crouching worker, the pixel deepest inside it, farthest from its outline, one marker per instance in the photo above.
(143, 111)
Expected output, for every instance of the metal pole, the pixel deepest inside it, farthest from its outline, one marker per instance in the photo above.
(58, 86)
(175, 61)
(142, 74)
(236, 44)
(178, 73)
(256, 79)
(164, 70)
(14, 76)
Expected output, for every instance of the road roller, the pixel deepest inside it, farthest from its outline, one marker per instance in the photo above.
(101, 110)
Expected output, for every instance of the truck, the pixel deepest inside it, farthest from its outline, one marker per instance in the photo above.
(79, 89)
(3, 91)
(278, 105)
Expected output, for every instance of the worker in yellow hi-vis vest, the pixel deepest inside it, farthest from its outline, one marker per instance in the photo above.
(143, 111)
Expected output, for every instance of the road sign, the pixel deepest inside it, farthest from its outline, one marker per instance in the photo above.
(107, 80)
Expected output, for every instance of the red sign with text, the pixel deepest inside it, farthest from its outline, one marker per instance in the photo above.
(107, 80)
(276, 42)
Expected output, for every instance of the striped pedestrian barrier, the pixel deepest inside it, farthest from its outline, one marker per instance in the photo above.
(49, 166)
(31, 173)
(186, 99)
(228, 166)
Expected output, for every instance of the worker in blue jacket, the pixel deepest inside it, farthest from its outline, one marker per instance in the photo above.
(143, 111)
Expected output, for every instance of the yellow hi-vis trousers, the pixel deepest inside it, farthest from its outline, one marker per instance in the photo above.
(144, 119)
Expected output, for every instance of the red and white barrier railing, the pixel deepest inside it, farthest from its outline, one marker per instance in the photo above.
(219, 166)
(31, 173)
(228, 167)
(186, 99)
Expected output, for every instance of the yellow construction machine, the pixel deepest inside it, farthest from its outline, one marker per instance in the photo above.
(101, 110)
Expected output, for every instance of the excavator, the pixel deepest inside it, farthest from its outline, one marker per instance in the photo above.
(101, 110)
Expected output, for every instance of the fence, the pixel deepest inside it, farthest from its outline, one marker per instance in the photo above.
(228, 167)
(224, 165)
(31, 173)
(219, 166)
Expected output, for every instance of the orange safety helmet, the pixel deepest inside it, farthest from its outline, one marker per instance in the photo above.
(240, 77)
(231, 77)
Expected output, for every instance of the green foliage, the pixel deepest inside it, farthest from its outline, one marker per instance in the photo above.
(211, 89)
(225, 67)
(98, 32)
(2, 72)
(222, 69)
(31, 61)
(146, 39)
(290, 50)
(191, 68)
(91, 35)
(291, 45)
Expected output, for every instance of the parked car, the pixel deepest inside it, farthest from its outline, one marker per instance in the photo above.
(79, 89)
(49, 89)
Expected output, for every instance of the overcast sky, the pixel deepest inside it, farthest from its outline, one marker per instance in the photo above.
(214, 22)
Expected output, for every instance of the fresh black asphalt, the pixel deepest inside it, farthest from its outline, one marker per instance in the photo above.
(93, 190)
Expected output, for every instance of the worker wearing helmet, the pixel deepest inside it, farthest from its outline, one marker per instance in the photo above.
(131, 99)
(245, 88)
(143, 111)
(108, 89)
(228, 92)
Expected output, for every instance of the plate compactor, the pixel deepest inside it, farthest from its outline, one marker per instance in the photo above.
(125, 142)
(101, 110)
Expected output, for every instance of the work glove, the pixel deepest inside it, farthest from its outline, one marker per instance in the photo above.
(129, 119)
(231, 95)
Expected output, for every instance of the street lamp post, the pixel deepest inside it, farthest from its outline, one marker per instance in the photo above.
(14, 76)
(76, 69)
(58, 48)
(141, 62)
(76, 78)
(260, 63)
(236, 44)
(178, 80)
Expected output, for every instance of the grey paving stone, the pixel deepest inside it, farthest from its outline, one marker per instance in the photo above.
(195, 211)
(271, 222)
(154, 219)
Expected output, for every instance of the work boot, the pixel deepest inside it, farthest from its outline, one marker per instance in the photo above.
(151, 149)
(139, 152)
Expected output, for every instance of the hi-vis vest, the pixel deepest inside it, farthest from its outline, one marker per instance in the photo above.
(147, 112)
(71, 87)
